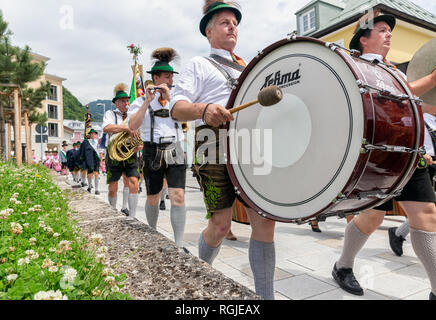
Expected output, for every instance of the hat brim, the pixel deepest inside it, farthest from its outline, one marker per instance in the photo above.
(388, 18)
(116, 98)
(205, 20)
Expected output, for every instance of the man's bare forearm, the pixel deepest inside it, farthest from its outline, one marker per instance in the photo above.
(185, 111)
(115, 128)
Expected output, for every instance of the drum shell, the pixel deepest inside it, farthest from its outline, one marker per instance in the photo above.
(375, 171)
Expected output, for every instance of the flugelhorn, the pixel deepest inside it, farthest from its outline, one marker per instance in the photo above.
(122, 146)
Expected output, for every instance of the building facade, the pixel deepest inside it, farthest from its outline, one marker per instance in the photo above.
(335, 21)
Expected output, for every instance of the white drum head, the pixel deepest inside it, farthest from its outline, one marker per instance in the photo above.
(301, 152)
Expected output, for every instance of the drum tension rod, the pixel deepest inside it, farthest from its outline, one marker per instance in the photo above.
(369, 147)
(386, 94)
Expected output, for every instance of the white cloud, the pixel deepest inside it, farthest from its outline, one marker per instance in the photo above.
(93, 54)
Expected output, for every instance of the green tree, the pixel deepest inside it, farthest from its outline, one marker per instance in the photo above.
(17, 68)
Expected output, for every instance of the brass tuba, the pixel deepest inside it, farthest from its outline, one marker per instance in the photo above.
(122, 146)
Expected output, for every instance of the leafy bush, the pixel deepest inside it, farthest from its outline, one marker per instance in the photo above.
(42, 254)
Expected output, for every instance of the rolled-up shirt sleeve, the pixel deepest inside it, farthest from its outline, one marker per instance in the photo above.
(190, 83)
(109, 118)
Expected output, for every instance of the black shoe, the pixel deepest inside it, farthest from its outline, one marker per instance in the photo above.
(315, 228)
(346, 280)
(125, 211)
(432, 296)
(396, 242)
(89, 190)
(162, 205)
(167, 196)
(97, 192)
(139, 189)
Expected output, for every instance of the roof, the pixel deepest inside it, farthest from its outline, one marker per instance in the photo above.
(404, 9)
(336, 3)
(54, 77)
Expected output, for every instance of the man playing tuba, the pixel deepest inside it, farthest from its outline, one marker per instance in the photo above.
(114, 123)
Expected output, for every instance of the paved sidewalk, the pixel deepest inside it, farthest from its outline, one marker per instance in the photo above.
(304, 259)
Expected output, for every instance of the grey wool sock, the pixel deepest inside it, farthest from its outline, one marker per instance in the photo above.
(90, 182)
(133, 203)
(125, 198)
(354, 240)
(178, 219)
(113, 202)
(424, 245)
(262, 257)
(403, 230)
(152, 213)
(96, 181)
(205, 252)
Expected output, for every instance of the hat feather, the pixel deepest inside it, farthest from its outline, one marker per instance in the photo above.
(164, 54)
(208, 3)
(120, 87)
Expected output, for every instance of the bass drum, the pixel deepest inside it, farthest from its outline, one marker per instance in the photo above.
(344, 138)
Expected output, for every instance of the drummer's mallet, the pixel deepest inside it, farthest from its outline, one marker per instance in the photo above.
(267, 97)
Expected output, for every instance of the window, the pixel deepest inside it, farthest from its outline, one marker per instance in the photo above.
(53, 93)
(308, 21)
(52, 111)
(53, 130)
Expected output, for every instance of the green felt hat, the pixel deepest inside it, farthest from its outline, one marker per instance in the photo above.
(119, 95)
(214, 8)
(161, 66)
(92, 131)
(388, 18)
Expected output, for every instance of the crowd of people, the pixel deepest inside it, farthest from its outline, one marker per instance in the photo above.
(201, 95)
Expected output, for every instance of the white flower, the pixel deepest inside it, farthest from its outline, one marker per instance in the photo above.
(16, 228)
(53, 269)
(69, 274)
(12, 277)
(96, 239)
(106, 271)
(47, 263)
(52, 249)
(64, 245)
(26, 225)
(23, 261)
(56, 235)
(50, 295)
(100, 257)
(32, 241)
(24, 213)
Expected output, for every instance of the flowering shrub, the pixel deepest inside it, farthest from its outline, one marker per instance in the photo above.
(42, 254)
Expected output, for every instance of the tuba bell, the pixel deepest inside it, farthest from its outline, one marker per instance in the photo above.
(122, 146)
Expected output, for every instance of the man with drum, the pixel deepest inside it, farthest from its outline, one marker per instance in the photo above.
(163, 155)
(417, 198)
(113, 123)
(201, 94)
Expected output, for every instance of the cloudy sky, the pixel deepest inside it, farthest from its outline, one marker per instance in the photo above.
(86, 40)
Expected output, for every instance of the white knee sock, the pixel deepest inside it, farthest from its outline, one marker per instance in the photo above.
(112, 201)
(178, 218)
(96, 181)
(205, 252)
(354, 240)
(262, 259)
(424, 245)
(403, 230)
(133, 203)
(152, 213)
(125, 197)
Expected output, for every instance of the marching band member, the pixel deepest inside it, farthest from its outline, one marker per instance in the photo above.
(162, 152)
(90, 160)
(417, 198)
(113, 123)
(202, 94)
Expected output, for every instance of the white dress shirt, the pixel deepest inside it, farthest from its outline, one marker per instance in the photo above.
(202, 82)
(112, 117)
(428, 142)
(163, 127)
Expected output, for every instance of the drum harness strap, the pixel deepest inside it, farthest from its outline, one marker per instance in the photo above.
(217, 60)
